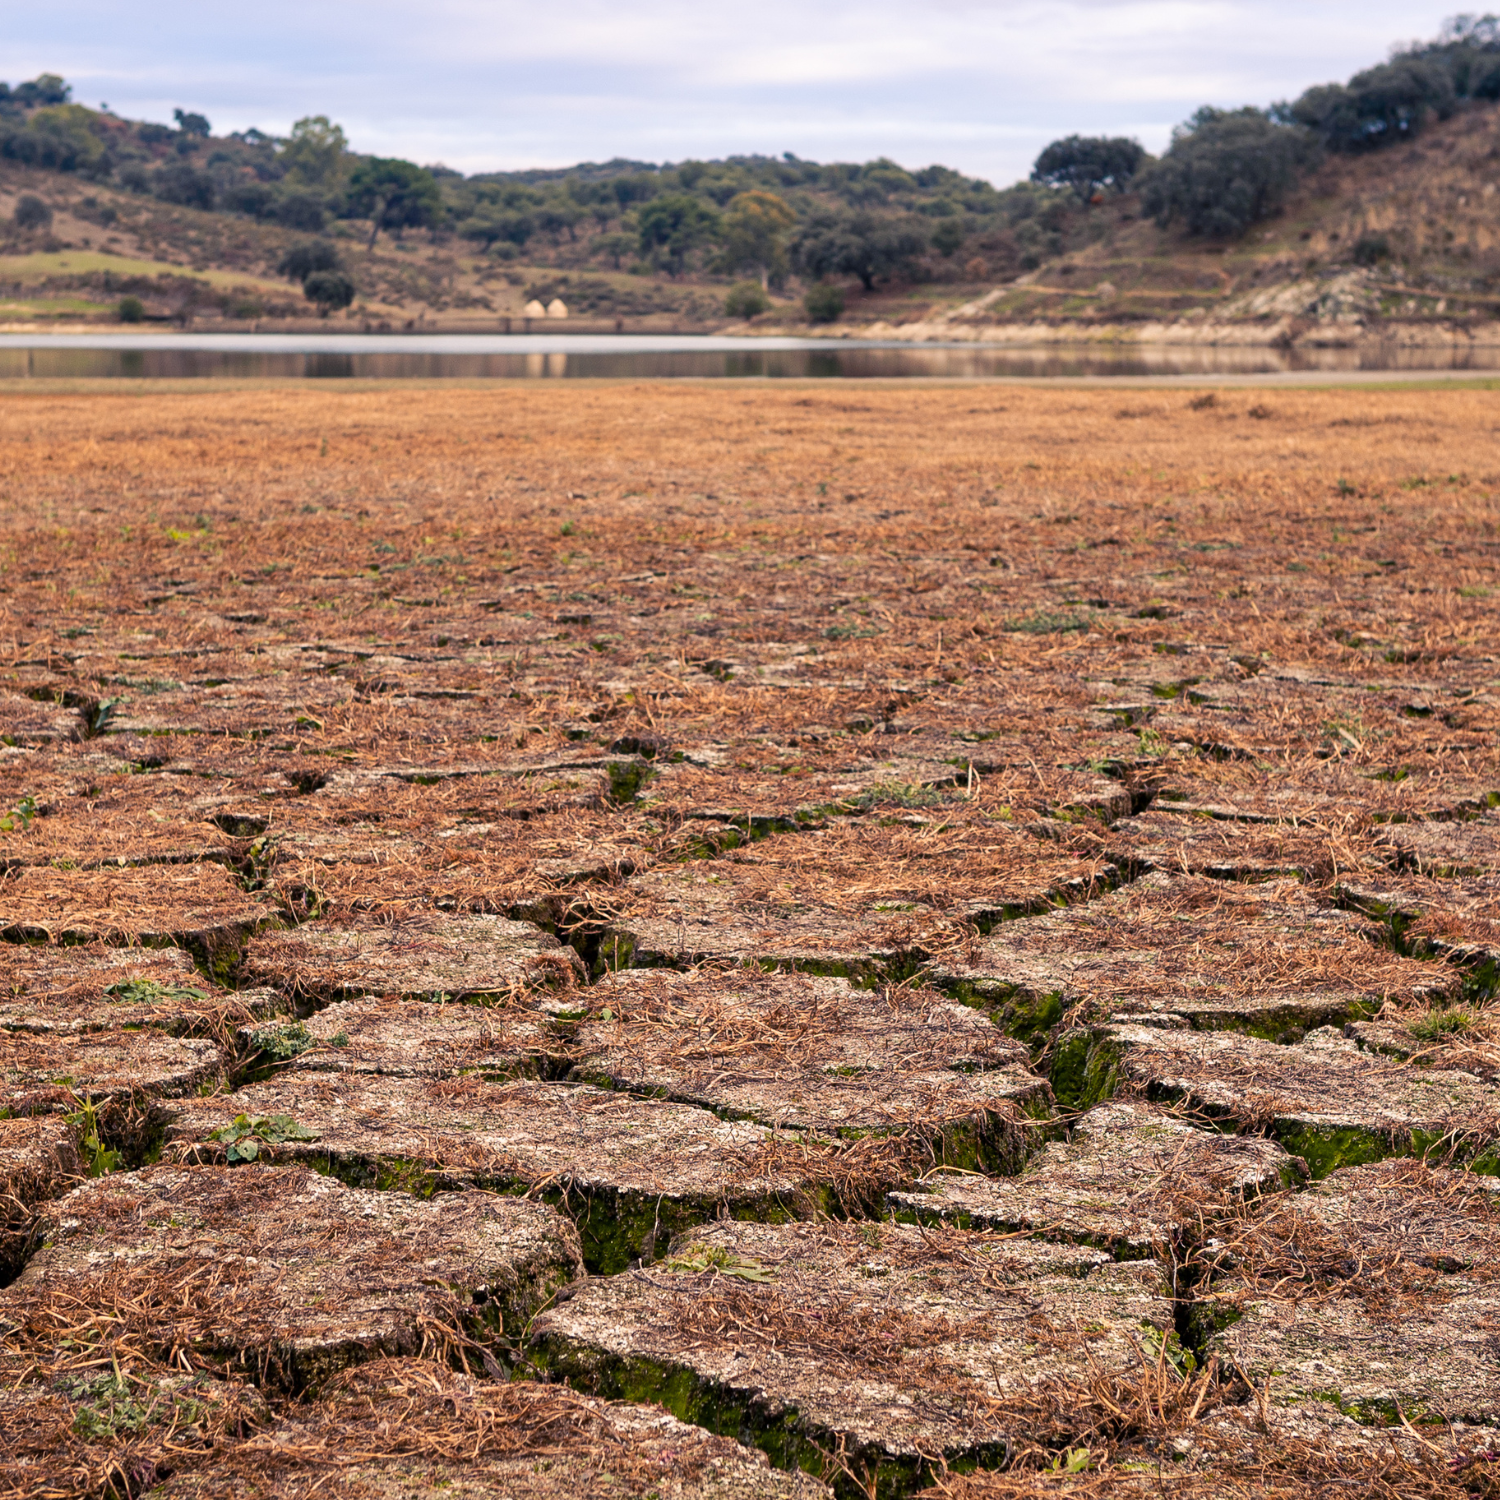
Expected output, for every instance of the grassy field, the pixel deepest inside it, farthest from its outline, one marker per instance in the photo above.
(944, 936)
(42, 265)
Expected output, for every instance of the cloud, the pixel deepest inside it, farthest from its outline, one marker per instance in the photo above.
(487, 85)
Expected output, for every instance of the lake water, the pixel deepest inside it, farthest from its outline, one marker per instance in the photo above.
(652, 356)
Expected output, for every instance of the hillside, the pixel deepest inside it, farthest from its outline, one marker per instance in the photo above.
(1399, 243)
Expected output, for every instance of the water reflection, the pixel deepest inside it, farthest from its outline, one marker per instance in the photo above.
(351, 357)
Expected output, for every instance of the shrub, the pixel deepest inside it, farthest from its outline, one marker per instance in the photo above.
(1089, 164)
(1381, 105)
(61, 137)
(824, 303)
(746, 300)
(31, 212)
(254, 198)
(302, 260)
(394, 195)
(192, 124)
(675, 224)
(755, 228)
(301, 211)
(181, 182)
(331, 290)
(947, 237)
(1371, 249)
(857, 245)
(1225, 170)
(131, 310)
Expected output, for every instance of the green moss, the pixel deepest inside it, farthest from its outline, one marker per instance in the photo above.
(617, 1229)
(1325, 1149)
(1206, 1319)
(1481, 981)
(781, 1432)
(964, 1145)
(616, 951)
(626, 780)
(391, 1173)
(1085, 1070)
(1032, 1018)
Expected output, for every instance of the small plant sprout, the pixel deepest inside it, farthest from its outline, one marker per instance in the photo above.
(282, 1040)
(245, 1134)
(151, 992)
(18, 819)
(97, 1157)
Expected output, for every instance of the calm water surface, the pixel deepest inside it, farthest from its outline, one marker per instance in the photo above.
(651, 356)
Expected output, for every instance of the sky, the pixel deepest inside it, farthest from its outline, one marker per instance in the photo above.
(496, 85)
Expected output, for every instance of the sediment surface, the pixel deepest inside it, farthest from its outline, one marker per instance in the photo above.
(726, 941)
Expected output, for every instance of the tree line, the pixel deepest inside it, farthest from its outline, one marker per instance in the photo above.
(1227, 169)
(760, 218)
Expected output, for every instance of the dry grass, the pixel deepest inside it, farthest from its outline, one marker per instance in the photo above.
(840, 665)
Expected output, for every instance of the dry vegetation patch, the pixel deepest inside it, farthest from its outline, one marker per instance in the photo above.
(39, 1159)
(423, 957)
(195, 906)
(812, 1053)
(858, 899)
(883, 1343)
(1170, 843)
(417, 717)
(1446, 849)
(55, 1071)
(92, 987)
(631, 1171)
(411, 1428)
(1324, 1099)
(413, 1038)
(1268, 959)
(1131, 1179)
(279, 1274)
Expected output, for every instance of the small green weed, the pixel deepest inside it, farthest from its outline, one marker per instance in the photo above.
(1169, 1352)
(1070, 1461)
(99, 719)
(96, 1155)
(151, 992)
(245, 1134)
(282, 1040)
(18, 820)
(106, 1407)
(1346, 732)
(697, 1259)
(1437, 1024)
(1047, 622)
(894, 794)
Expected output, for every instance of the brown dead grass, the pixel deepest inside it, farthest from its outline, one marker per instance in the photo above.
(384, 619)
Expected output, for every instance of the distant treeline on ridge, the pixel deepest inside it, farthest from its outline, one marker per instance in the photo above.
(760, 217)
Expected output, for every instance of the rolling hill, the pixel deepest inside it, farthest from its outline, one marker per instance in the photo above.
(1401, 243)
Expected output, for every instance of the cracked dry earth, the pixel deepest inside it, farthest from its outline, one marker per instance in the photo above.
(721, 942)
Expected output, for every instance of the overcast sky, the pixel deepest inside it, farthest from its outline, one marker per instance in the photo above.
(485, 84)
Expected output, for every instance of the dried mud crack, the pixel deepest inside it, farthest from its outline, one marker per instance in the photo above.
(725, 943)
